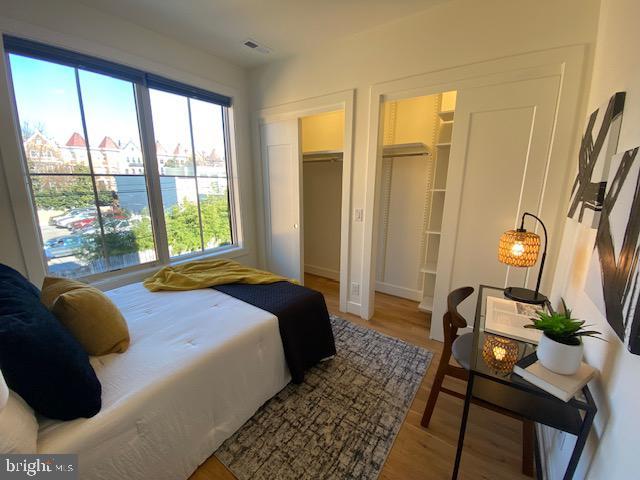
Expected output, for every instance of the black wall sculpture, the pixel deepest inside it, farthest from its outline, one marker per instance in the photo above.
(619, 265)
(599, 142)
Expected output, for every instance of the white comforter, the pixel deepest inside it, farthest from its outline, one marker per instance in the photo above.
(199, 365)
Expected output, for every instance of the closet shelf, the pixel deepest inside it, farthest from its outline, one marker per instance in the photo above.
(432, 232)
(438, 190)
(405, 150)
(443, 144)
(426, 305)
(446, 115)
(429, 268)
(322, 156)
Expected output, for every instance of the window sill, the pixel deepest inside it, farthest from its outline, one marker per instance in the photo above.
(120, 279)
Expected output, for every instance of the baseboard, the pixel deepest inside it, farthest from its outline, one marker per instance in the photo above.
(322, 272)
(353, 307)
(395, 290)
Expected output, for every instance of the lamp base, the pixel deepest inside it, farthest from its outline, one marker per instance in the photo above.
(524, 295)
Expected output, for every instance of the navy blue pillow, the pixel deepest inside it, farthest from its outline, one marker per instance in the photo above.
(39, 358)
(17, 279)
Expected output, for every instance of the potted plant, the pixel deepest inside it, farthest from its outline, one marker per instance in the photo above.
(560, 348)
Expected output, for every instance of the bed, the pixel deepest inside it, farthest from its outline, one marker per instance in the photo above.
(200, 364)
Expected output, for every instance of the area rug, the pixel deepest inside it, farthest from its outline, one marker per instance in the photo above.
(341, 421)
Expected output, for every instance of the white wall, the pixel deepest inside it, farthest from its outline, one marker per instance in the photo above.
(87, 30)
(455, 33)
(613, 446)
(322, 191)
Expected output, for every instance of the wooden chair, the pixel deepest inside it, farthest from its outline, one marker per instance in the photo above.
(461, 346)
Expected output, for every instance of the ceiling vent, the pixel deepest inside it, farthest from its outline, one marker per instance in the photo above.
(253, 45)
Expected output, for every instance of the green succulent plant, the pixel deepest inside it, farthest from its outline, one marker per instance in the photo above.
(561, 327)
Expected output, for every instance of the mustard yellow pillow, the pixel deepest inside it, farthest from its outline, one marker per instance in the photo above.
(88, 313)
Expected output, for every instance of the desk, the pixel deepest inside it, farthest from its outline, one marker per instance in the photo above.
(513, 393)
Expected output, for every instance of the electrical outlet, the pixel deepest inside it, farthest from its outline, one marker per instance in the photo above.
(355, 289)
(359, 214)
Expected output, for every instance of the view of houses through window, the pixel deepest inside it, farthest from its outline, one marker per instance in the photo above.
(194, 193)
(88, 175)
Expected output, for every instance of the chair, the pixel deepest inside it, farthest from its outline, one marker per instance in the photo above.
(461, 346)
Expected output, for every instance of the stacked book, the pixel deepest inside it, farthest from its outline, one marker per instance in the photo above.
(563, 387)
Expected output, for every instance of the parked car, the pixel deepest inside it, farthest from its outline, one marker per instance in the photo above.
(109, 227)
(63, 246)
(67, 214)
(65, 222)
(70, 213)
(91, 225)
(81, 223)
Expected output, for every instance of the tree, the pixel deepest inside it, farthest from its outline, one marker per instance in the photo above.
(183, 230)
(115, 243)
(28, 129)
(143, 232)
(215, 219)
(66, 192)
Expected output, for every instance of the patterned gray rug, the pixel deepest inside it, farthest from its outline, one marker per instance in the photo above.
(341, 422)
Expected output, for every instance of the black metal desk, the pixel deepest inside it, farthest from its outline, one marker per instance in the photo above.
(515, 394)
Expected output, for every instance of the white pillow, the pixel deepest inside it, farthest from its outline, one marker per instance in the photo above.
(18, 424)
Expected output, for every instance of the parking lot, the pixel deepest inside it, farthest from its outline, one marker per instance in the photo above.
(62, 264)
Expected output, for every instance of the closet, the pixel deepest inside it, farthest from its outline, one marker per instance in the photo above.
(415, 162)
(322, 140)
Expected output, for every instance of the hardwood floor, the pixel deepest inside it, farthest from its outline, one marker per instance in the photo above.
(493, 441)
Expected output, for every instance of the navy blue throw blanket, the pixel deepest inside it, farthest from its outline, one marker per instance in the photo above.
(303, 319)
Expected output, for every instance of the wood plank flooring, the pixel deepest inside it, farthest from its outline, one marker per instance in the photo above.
(493, 443)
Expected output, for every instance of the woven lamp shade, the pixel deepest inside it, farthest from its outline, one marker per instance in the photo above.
(519, 248)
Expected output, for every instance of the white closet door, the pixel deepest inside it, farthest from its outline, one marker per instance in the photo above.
(281, 164)
(499, 156)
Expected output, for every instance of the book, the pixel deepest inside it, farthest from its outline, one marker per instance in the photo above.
(563, 387)
(508, 318)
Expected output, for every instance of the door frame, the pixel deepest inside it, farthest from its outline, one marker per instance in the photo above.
(567, 62)
(343, 100)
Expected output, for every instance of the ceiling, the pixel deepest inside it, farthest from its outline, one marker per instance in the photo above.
(220, 27)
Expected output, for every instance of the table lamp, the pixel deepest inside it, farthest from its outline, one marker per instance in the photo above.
(520, 248)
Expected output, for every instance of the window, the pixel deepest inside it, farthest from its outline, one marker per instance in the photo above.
(92, 169)
(190, 149)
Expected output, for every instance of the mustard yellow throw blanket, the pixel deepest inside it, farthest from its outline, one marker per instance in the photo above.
(207, 273)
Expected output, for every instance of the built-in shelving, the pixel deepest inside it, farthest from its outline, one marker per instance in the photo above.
(446, 115)
(404, 150)
(430, 268)
(426, 305)
(322, 156)
(436, 194)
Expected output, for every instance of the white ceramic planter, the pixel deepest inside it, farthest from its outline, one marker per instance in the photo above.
(558, 357)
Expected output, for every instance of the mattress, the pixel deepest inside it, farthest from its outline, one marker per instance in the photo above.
(199, 365)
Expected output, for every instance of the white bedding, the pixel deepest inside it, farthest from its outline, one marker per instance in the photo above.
(199, 365)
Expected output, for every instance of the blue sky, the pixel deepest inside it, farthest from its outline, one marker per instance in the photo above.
(46, 94)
